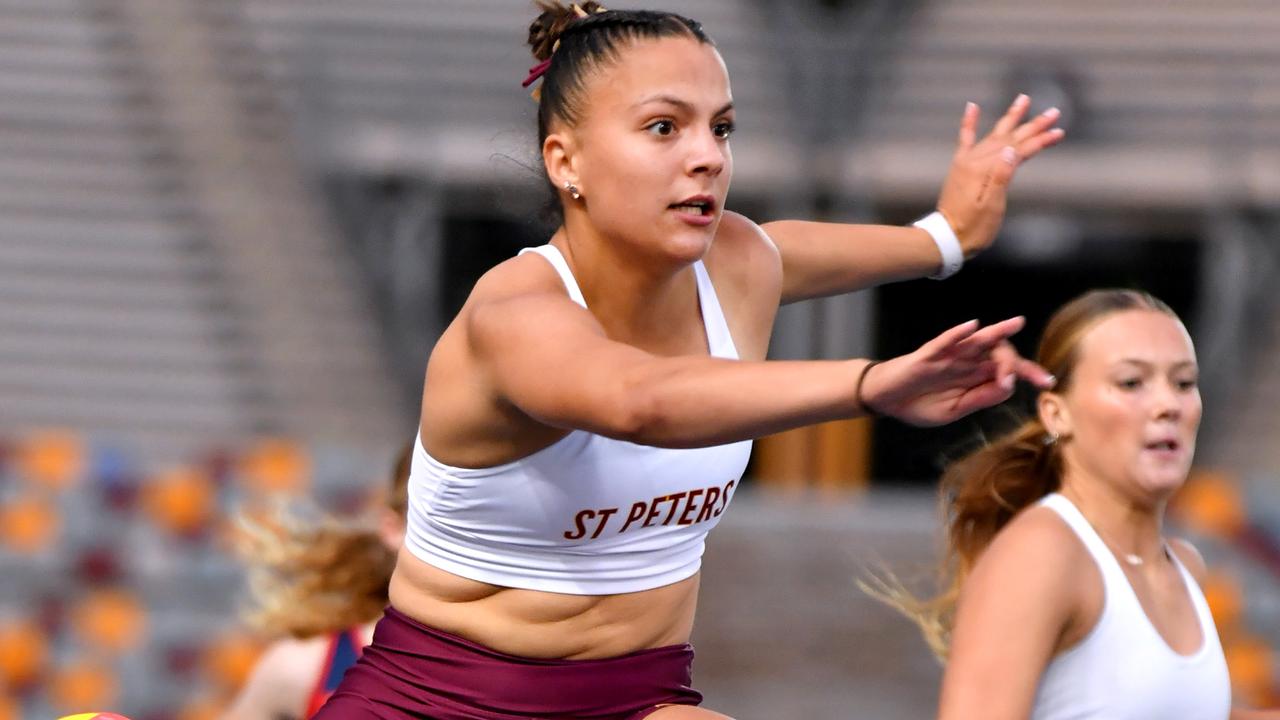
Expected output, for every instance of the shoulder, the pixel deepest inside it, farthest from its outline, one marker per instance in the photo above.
(742, 245)
(1191, 558)
(746, 267)
(1040, 524)
(1037, 555)
(745, 261)
(520, 290)
(294, 662)
(1038, 529)
(523, 275)
(1026, 598)
(743, 254)
(736, 227)
(1015, 608)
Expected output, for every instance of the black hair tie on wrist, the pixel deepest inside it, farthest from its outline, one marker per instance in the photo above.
(857, 390)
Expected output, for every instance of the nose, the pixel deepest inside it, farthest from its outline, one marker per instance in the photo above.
(708, 154)
(1168, 400)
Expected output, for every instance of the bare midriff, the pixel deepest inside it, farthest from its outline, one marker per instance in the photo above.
(535, 624)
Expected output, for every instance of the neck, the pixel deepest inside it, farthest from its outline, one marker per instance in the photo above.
(634, 296)
(1132, 526)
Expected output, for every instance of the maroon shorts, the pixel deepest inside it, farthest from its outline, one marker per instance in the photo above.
(412, 671)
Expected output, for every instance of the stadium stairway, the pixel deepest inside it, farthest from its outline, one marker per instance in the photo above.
(165, 279)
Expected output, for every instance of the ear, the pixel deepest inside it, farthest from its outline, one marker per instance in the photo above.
(391, 528)
(560, 156)
(1054, 414)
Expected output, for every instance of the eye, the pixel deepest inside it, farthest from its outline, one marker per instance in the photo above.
(663, 128)
(1188, 384)
(1130, 383)
(723, 129)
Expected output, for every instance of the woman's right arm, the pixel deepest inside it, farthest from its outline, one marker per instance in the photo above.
(551, 360)
(1013, 611)
(279, 684)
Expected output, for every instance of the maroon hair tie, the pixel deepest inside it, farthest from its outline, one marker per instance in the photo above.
(536, 72)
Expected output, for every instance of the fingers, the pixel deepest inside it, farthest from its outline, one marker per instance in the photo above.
(982, 396)
(968, 127)
(1012, 116)
(1010, 366)
(1032, 146)
(1033, 373)
(939, 346)
(1005, 136)
(1037, 134)
(1019, 142)
(1036, 125)
(981, 342)
(993, 389)
(1001, 173)
(972, 368)
(983, 373)
(979, 356)
(1006, 359)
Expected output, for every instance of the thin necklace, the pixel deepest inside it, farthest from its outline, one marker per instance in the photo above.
(1132, 558)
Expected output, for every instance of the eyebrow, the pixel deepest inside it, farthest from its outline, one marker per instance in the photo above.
(684, 106)
(1145, 364)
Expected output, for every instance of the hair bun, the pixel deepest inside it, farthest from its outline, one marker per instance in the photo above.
(545, 31)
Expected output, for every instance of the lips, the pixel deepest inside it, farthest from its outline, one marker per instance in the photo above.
(1166, 449)
(699, 205)
(1165, 438)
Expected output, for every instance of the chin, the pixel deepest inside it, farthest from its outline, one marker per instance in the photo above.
(690, 246)
(1162, 485)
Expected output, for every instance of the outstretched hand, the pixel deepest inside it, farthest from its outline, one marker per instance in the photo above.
(962, 370)
(974, 193)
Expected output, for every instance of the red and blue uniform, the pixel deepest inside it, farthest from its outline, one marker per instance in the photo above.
(344, 650)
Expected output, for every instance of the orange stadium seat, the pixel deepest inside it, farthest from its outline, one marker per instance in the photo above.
(82, 684)
(24, 651)
(275, 465)
(180, 501)
(230, 658)
(1226, 601)
(110, 620)
(1211, 503)
(29, 524)
(51, 458)
(1252, 665)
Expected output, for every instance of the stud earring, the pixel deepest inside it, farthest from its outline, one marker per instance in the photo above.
(572, 190)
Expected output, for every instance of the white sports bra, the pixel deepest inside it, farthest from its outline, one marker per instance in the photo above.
(587, 515)
(1124, 669)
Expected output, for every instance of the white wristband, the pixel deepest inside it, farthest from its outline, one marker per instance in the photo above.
(948, 244)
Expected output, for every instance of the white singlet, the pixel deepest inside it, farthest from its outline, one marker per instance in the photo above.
(1124, 669)
(587, 515)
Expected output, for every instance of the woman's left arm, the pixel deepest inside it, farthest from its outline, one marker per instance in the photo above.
(822, 259)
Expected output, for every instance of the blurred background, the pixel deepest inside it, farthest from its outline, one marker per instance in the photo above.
(230, 231)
